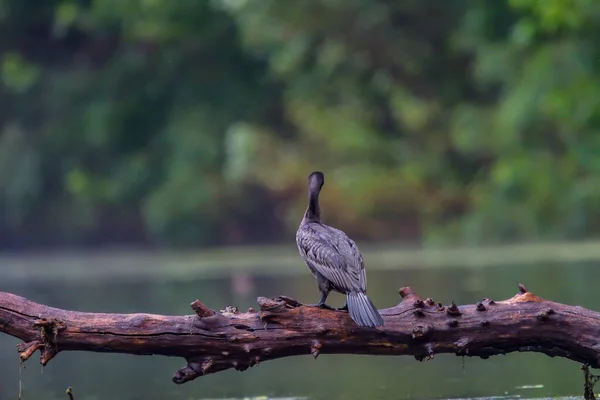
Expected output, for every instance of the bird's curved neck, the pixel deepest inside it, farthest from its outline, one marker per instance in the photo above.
(313, 211)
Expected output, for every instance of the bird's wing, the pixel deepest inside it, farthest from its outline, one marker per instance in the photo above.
(359, 265)
(335, 256)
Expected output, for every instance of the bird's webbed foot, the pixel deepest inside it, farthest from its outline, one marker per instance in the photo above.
(344, 308)
(321, 303)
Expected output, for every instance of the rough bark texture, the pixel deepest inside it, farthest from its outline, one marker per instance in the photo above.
(213, 342)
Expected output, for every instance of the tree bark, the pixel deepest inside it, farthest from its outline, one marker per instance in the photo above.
(215, 341)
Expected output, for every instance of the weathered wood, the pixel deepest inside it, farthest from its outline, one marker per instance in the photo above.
(213, 342)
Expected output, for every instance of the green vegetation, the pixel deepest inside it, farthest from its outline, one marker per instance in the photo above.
(187, 123)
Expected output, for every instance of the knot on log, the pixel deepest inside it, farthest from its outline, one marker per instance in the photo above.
(428, 353)
(462, 347)
(420, 332)
(410, 302)
(452, 323)
(544, 315)
(410, 299)
(206, 365)
(289, 302)
(406, 292)
(490, 302)
(229, 310)
(49, 328)
(281, 303)
(418, 313)
(453, 310)
(239, 366)
(271, 308)
(48, 342)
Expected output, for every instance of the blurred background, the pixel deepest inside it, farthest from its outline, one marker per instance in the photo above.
(153, 152)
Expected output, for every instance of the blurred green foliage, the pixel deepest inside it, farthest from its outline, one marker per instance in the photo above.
(197, 122)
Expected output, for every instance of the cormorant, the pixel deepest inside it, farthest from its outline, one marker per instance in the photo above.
(334, 260)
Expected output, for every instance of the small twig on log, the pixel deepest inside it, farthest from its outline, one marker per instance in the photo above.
(70, 393)
(211, 341)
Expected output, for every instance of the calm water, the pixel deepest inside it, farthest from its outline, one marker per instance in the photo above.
(128, 377)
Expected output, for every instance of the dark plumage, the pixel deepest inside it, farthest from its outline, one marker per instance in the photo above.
(334, 260)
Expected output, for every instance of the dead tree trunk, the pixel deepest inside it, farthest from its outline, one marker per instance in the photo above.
(212, 342)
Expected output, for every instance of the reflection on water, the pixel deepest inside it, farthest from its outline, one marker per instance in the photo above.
(128, 377)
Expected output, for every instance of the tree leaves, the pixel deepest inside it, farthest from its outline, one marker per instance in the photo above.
(479, 120)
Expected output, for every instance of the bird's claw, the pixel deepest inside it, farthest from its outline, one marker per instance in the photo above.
(321, 305)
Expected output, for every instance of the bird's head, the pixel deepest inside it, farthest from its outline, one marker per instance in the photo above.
(316, 181)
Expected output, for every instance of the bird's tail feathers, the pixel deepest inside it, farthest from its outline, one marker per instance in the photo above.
(362, 311)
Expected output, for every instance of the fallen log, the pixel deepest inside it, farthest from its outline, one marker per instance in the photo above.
(216, 341)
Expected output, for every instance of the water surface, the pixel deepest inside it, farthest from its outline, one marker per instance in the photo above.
(128, 377)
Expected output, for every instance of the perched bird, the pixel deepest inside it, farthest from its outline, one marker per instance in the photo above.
(334, 260)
